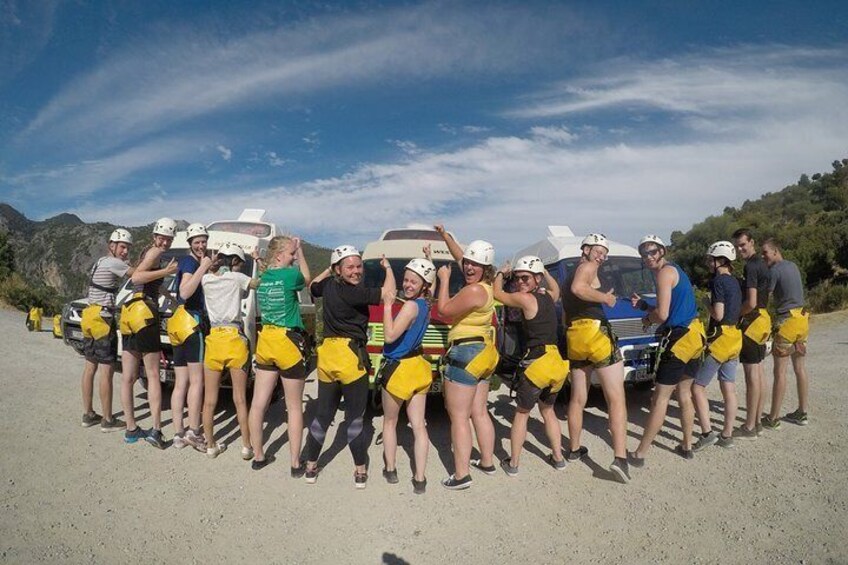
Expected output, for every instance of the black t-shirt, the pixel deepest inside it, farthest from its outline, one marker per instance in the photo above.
(345, 307)
(577, 308)
(542, 329)
(756, 276)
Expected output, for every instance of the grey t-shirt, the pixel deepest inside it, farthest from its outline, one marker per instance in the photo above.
(107, 273)
(787, 286)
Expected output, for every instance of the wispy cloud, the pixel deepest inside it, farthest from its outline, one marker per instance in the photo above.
(770, 80)
(159, 85)
(519, 184)
(275, 160)
(89, 176)
(25, 29)
(408, 147)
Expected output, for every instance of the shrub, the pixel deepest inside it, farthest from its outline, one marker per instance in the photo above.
(828, 297)
(15, 291)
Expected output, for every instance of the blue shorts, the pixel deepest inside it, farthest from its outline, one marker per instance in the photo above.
(710, 366)
(463, 353)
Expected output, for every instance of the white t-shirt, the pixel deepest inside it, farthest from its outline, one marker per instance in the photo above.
(222, 294)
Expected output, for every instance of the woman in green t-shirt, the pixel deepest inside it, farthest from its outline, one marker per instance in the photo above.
(280, 347)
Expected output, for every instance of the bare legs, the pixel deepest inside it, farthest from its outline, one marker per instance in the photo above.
(466, 402)
(415, 409)
(612, 384)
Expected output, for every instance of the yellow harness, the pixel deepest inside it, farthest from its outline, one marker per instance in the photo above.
(692, 343)
(726, 344)
(756, 326)
(136, 315)
(548, 371)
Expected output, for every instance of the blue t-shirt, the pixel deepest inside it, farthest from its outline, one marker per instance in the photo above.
(186, 266)
(725, 289)
(413, 336)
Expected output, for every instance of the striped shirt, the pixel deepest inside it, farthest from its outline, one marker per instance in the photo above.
(106, 273)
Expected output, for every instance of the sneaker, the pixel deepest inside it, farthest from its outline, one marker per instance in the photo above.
(705, 441)
(558, 465)
(684, 453)
(770, 424)
(298, 472)
(180, 441)
(490, 470)
(257, 465)
(419, 487)
(132, 436)
(511, 471)
(311, 476)
(759, 429)
(620, 469)
(360, 480)
(246, 453)
(196, 439)
(797, 417)
(632, 459)
(216, 450)
(154, 438)
(577, 454)
(112, 425)
(452, 483)
(90, 419)
(744, 433)
(390, 476)
(726, 442)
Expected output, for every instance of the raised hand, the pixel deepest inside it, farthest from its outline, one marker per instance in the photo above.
(444, 273)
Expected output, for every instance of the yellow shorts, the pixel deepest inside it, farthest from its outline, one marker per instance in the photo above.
(226, 348)
(276, 349)
(405, 378)
(340, 360)
(591, 343)
(137, 314)
(791, 333)
(181, 326)
(94, 326)
(756, 326)
(548, 371)
(727, 345)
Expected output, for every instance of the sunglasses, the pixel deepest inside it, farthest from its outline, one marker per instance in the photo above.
(649, 253)
(524, 278)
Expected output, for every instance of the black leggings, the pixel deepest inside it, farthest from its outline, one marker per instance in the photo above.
(356, 400)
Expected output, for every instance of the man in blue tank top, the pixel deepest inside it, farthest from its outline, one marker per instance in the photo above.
(681, 345)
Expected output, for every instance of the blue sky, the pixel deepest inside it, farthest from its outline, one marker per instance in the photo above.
(344, 119)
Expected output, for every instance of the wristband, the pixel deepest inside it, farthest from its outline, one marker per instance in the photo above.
(642, 305)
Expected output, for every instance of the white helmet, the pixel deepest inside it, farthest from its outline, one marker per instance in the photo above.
(194, 230)
(341, 252)
(650, 238)
(166, 227)
(121, 235)
(529, 263)
(722, 249)
(424, 269)
(480, 252)
(232, 249)
(595, 239)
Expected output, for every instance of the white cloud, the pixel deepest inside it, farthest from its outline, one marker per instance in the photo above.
(274, 160)
(89, 176)
(226, 152)
(553, 134)
(408, 147)
(159, 85)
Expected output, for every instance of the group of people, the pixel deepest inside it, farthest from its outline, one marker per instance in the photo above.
(206, 332)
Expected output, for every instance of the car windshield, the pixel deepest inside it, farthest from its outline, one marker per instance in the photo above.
(374, 274)
(624, 275)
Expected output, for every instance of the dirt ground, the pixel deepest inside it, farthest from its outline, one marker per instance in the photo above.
(76, 495)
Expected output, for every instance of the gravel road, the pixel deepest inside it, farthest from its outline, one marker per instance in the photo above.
(76, 495)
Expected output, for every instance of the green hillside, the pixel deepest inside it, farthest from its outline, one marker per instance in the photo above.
(810, 221)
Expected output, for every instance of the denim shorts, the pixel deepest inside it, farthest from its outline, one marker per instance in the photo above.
(710, 366)
(463, 353)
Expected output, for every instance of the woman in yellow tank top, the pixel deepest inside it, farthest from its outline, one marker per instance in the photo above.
(471, 356)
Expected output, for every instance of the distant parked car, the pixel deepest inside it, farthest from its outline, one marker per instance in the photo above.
(71, 323)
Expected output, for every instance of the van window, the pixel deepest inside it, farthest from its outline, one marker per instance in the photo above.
(420, 235)
(625, 275)
(374, 274)
(255, 229)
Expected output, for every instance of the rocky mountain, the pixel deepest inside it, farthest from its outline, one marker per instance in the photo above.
(59, 251)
